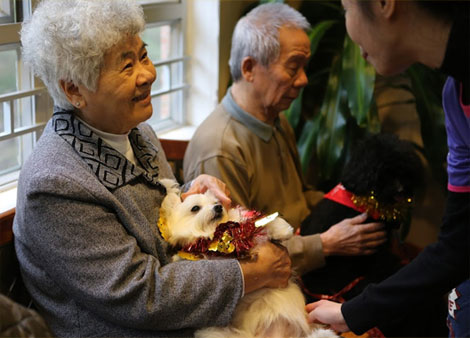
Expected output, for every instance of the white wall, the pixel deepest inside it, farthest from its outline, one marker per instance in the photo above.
(202, 45)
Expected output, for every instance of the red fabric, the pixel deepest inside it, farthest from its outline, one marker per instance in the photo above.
(340, 195)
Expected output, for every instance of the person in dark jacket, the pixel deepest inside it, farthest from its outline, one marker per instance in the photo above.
(393, 35)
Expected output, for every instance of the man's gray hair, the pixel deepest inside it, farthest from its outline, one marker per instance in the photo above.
(257, 34)
(67, 39)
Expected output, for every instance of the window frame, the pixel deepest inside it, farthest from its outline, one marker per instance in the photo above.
(156, 12)
(173, 12)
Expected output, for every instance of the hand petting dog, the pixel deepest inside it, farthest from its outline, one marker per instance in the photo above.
(351, 238)
(203, 183)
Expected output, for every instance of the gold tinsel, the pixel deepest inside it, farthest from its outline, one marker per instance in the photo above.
(224, 244)
(162, 226)
(395, 212)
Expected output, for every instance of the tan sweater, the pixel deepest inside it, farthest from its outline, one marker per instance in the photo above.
(260, 165)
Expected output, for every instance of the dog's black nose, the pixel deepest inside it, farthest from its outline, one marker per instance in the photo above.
(218, 208)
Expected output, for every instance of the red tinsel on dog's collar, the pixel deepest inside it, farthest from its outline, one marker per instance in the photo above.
(231, 239)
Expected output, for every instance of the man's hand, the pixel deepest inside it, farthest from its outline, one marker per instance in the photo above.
(204, 182)
(327, 312)
(270, 266)
(349, 237)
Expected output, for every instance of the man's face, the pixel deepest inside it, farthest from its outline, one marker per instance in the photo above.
(278, 84)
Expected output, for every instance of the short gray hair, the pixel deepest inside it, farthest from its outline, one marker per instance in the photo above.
(67, 39)
(257, 34)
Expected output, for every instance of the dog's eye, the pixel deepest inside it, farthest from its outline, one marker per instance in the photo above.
(196, 208)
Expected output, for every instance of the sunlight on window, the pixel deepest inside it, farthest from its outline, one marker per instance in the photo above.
(161, 108)
(7, 11)
(8, 84)
(24, 116)
(158, 41)
(10, 159)
(163, 79)
(8, 59)
(163, 49)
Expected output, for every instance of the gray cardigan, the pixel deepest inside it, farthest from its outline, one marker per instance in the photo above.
(90, 252)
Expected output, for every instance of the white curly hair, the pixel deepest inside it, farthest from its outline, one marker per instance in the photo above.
(257, 34)
(67, 39)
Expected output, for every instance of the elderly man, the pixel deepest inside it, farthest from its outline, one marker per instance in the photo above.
(250, 146)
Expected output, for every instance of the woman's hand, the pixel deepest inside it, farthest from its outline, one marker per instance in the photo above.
(327, 312)
(349, 237)
(204, 182)
(270, 266)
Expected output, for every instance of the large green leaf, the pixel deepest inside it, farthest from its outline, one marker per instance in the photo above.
(358, 79)
(330, 138)
(308, 140)
(294, 113)
(426, 86)
(317, 33)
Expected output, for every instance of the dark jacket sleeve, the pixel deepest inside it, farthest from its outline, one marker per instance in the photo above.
(440, 267)
(19, 321)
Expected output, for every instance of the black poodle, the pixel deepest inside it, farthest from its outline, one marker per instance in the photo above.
(381, 177)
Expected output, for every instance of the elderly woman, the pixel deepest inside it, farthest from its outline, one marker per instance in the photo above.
(88, 197)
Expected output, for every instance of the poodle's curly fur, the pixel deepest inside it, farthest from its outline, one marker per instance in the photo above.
(392, 169)
(384, 164)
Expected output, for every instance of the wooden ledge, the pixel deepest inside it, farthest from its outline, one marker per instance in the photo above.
(6, 224)
(174, 149)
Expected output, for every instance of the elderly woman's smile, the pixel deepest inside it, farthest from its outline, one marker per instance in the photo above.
(122, 99)
(145, 96)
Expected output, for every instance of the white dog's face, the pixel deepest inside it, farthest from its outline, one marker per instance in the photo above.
(197, 216)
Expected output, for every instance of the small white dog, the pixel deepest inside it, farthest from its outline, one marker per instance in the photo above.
(267, 312)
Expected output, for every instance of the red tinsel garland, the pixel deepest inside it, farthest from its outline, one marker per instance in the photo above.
(242, 235)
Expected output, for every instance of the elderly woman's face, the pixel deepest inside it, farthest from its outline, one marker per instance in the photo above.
(122, 99)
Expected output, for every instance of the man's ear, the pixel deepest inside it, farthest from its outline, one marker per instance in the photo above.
(247, 68)
(72, 92)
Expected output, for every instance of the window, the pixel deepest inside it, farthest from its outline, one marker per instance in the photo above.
(165, 45)
(25, 105)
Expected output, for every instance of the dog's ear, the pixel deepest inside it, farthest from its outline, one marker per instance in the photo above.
(170, 201)
(172, 187)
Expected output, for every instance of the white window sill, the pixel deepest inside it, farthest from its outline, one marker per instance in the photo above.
(8, 198)
(184, 133)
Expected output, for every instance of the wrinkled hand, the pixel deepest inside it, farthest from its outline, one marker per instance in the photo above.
(270, 266)
(204, 182)
(327, 312)
(349, 237)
